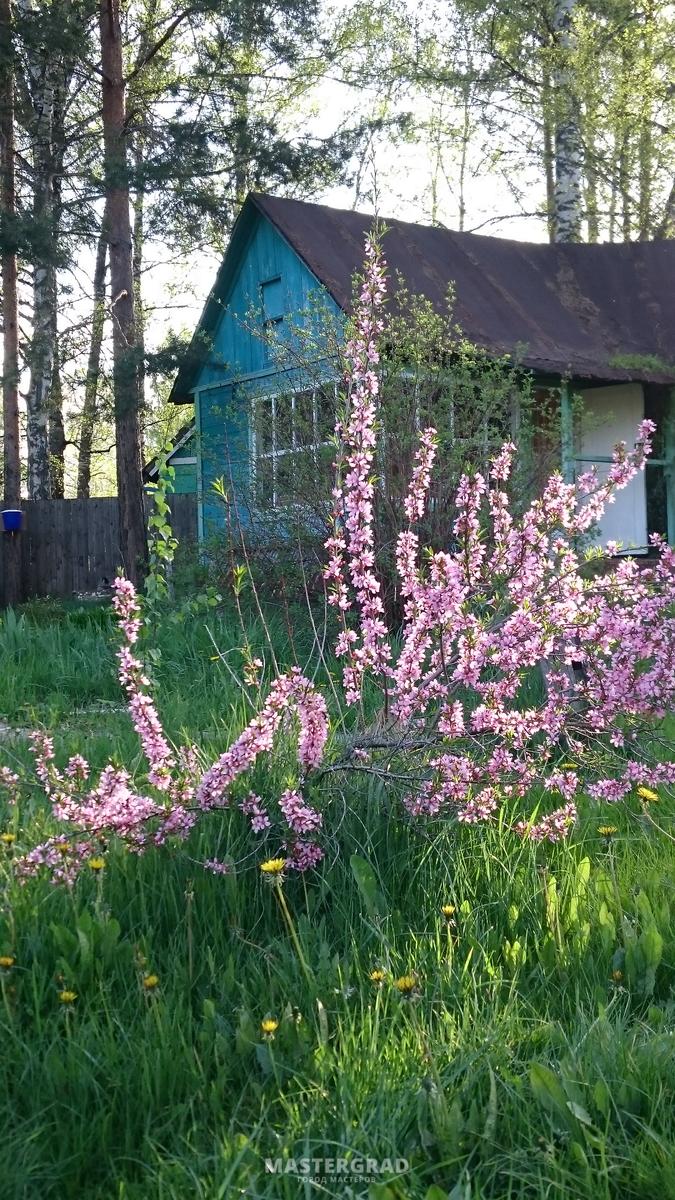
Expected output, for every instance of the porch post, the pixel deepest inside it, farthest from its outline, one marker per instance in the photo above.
(566, 433)
(200, 480)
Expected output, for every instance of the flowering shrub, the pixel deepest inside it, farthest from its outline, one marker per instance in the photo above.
(512, 598)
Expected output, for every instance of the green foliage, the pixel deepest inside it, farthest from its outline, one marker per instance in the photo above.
(642, 362)
(161, 542)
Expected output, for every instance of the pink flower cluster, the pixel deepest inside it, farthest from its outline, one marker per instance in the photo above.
(300, 817)
(553, 828)
(113, 807)
(144, 715)
(290, 692)
(10, 784)
(304, 856)
(254, 808)
(351, 546)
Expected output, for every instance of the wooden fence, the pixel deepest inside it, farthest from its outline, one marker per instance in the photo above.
(72, 546)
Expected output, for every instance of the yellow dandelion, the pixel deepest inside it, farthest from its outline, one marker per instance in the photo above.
(67, 997)
(273, 868)
(648, 794)
(448, 911)
(377, 977)
(64, 848)
(96, 864)
(405, 984)
(607, 831)
(7, 961)
(7, 839)
(617, 976)
(150, 982)
(269, 1027)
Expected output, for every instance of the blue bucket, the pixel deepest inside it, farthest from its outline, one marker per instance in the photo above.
(11, 519)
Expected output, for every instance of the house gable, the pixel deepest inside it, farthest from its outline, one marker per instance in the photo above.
(263, 288)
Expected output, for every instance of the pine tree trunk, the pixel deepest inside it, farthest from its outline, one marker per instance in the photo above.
(126, 384)
(10, 310)
(139, 312)
(57, 434)
(568, 146)
(90, 406)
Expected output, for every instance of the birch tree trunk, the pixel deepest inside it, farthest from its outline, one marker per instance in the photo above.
(42, 69)
(90, 406)
(549, 152)
(57, 433)
(666, 226)
(646, 139)
(567, 198)
(126, 384)
(10, 308)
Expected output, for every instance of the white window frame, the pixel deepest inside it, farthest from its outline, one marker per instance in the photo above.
(274, 455)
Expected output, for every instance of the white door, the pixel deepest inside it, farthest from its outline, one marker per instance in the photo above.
(611, 415)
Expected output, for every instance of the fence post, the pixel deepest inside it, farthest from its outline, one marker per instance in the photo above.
(11, 557)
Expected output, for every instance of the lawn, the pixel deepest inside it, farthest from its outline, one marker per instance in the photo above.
(534, 1058)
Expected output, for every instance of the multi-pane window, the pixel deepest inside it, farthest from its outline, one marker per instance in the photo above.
(291, 452)
(659, 469)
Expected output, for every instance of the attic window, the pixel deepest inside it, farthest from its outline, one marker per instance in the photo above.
(272, 301)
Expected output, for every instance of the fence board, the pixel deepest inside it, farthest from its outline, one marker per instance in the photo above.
(72, 546)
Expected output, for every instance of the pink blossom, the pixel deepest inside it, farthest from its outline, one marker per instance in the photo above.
(301, 817)
(552, 828)
(254, 808)
(216, 867)
(304, 856)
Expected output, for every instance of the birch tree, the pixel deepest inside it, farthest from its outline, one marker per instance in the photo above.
(10, 305)
(41, 73)
(567, 193)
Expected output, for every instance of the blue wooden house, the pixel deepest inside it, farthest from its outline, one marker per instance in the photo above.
(598, 320)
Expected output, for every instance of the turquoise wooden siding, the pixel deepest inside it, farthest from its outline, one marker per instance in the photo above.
(267, 281)
(185, 479)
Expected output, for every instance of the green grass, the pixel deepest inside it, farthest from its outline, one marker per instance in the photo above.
(520, 1068)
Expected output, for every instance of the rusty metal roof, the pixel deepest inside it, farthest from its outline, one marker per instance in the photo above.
(588, 312)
